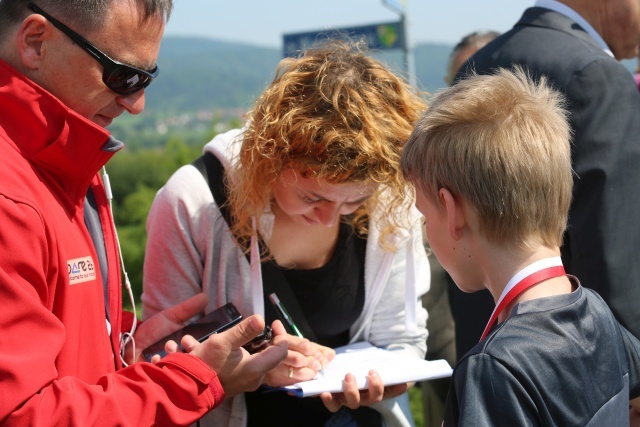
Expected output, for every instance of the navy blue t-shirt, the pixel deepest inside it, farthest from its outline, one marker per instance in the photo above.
(556, 361)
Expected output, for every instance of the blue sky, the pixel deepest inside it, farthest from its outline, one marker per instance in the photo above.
(263, 23)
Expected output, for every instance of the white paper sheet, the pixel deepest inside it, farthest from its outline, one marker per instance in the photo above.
(359, 358)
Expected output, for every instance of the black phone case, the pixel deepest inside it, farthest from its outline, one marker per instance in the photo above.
(218, 320)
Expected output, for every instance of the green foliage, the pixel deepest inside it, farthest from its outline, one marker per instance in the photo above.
(136, 205)
(415, 403)
(199, 73)
(149, 167)
(132, 241)
(135, 176)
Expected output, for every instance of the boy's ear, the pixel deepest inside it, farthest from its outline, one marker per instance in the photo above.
(29, 40)
(455, 213)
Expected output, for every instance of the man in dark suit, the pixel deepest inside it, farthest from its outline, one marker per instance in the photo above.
(577, 45)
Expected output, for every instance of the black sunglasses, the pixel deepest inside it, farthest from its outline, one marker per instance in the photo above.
(120, 78)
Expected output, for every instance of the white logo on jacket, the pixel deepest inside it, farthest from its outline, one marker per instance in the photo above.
(81, 270)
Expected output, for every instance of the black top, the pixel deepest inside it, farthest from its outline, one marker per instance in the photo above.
(332, 298)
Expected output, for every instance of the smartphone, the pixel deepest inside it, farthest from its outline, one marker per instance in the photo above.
(218, 320)
(262, 341)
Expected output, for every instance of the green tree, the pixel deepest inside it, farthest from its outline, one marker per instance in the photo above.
(136, 175)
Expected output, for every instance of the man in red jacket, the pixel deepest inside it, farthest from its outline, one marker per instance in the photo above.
(67, 69)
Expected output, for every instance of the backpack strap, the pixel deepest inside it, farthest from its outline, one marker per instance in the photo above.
(213, 173)
(273, 281)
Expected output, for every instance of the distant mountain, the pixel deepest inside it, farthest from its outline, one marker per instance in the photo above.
(200, 73)
(206, 84)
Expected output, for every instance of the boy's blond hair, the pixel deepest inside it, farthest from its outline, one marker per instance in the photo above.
(501, 142)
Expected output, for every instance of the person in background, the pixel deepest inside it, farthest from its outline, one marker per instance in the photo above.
(315, 174)
(465, 48)
(491, 163)
(68, 69)
(576, 44)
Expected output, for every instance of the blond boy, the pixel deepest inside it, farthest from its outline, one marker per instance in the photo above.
(491, 164)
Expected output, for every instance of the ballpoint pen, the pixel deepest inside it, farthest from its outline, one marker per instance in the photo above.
(286, 318)
(284, 315)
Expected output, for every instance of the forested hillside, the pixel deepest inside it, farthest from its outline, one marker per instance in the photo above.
(198, 74)
(204, 81)
(203, 73)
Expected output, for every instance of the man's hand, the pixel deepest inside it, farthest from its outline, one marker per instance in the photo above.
(164, 323)
(238, 370)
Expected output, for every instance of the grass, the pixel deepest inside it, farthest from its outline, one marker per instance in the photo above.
(415, 401)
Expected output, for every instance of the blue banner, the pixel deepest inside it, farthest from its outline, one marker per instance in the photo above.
(384, 36)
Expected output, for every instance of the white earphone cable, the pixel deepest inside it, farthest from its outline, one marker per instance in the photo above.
(127, 337)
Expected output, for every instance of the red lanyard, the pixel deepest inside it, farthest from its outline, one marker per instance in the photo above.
(535, 273)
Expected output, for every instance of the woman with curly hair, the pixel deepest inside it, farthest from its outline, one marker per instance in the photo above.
(314, 177)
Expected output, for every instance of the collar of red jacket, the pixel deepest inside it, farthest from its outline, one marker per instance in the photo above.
(58, 141)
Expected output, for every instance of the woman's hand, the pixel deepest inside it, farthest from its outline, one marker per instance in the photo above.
(353, 398)
(303, 362)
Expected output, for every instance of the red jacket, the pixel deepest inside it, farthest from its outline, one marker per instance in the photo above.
(58, 364)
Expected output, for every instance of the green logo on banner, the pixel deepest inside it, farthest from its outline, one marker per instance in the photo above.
(387, 35)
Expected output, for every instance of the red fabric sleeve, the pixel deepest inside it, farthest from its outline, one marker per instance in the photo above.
(177, 391)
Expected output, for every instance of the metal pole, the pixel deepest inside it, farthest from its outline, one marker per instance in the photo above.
(410, 66)
(401, 7)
